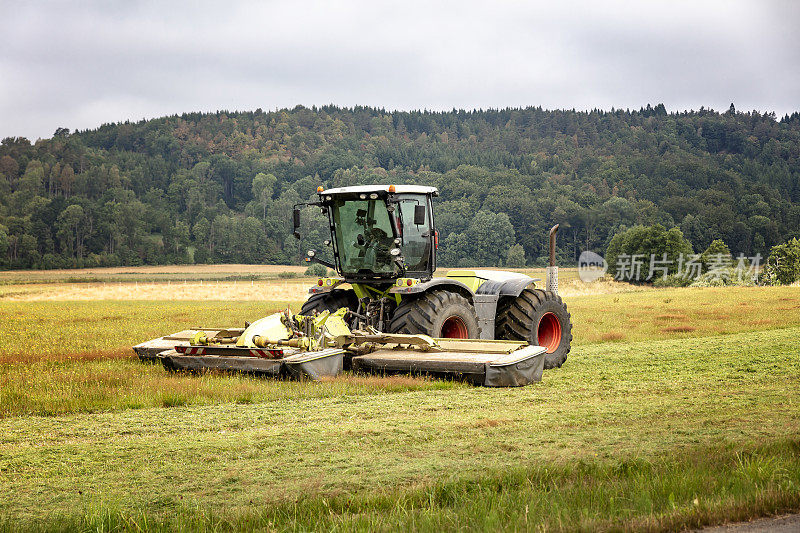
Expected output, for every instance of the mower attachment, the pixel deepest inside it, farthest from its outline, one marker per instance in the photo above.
(319, 346)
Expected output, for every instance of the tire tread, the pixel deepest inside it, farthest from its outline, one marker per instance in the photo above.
(515, 321)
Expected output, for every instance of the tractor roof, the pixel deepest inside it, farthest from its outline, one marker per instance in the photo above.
(399, 189)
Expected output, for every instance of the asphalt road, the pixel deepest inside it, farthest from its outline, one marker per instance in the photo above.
(781, 524)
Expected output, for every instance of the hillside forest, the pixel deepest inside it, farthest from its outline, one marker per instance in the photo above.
(219, 187)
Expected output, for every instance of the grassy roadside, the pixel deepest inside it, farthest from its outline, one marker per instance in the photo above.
(669, 492)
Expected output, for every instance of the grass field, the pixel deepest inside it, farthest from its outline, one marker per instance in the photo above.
(676, 408)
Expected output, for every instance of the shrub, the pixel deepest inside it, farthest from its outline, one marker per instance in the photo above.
(716, 254)
(672, 280)
(316, 270)
(646, 242)
(515, 258)
(201, 255)
(287, 275)
(783, 264)
(723, 278)
(53, 261)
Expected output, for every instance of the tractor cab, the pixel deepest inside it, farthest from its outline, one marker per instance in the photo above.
(379, 233)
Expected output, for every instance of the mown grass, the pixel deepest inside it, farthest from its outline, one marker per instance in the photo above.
(702, 486)
(224, 272)
(200, 282)
(277, 290)
(678, 408)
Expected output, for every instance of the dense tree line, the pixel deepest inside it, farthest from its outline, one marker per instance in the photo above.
(218, 187)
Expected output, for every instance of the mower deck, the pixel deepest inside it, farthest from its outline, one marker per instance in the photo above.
(488, 363)
(521, 367)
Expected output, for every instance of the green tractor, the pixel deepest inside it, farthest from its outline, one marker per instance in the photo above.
(384, 243)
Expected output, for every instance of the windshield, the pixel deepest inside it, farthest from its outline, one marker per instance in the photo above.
(364, 237)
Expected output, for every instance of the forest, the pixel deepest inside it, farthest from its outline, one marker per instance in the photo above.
(219, 187)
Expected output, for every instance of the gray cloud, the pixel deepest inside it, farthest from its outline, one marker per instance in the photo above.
(79, 66)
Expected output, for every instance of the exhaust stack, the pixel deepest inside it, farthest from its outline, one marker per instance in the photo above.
(552, 270)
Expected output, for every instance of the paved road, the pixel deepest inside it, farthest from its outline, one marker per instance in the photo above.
(781, 524)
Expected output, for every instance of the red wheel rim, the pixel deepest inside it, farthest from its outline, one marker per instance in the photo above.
(549, 332)
(454, 328)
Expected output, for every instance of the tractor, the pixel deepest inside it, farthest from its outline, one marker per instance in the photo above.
(383, 245)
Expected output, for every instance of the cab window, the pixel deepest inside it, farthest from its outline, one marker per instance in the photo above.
(416, 239)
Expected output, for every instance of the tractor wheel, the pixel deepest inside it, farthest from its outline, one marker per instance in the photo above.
(330, 301)
(438, 314)
(538, 317)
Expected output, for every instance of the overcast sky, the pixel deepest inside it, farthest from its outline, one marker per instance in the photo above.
(80, 64)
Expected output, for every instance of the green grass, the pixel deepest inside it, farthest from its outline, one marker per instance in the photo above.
(699, 487)
(669, 397)
(47, 389)
(68, 357)
(660, 402)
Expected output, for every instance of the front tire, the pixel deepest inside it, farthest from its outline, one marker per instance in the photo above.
(330, 301)
(438, 314)
(539, 317)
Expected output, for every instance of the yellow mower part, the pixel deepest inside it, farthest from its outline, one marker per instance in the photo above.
(199, 338)
(335, 325)
(270, 327)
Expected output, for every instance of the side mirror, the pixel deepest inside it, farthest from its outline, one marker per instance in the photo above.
(419, 215)
(296, 221)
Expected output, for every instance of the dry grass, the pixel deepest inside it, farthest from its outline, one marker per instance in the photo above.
(204, 282)
(28, 357)
(670, 317)
(680, 312)
(287, 290)
(159, 269)
(679, 329)
(576, 287)
(761, 322)
(47, 330)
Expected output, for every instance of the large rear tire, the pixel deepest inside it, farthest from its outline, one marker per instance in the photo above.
(539, 317)
(330, 301)
(438, 314)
